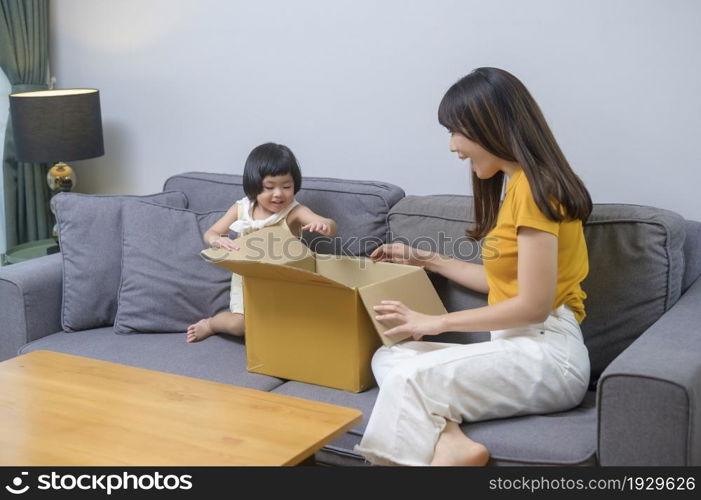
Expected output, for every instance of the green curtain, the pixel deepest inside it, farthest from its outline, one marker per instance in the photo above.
(24, 57)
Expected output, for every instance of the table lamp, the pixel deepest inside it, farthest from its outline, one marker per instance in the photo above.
(55, 126)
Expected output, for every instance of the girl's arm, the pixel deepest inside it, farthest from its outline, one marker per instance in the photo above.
(309, 221)
(217, 235)
(537, 282)
(468, 274)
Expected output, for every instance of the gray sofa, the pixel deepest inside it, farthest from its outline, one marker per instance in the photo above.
(643, 328)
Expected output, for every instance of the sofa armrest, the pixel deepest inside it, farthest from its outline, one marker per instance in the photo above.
(649, 397)
(31, 302)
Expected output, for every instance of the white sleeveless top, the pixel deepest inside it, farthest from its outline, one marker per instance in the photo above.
(245, 224)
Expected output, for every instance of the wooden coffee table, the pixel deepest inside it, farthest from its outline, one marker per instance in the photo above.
(59, 409)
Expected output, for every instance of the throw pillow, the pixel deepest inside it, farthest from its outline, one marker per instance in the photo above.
(90, 237)
(166, 285)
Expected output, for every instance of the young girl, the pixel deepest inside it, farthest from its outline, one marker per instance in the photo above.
(536, 361)
(271, 178)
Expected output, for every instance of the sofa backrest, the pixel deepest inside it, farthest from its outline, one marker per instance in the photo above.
(360, 208)
(692, 253)
(636, 260)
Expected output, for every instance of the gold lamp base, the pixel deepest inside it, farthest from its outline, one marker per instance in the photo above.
(61, 178)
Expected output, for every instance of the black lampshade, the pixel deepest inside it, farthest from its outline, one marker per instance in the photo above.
(57, 125)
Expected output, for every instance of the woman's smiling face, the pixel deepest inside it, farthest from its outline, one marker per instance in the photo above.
(484, 163)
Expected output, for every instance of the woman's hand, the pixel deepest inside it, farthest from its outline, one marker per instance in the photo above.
(318, 227)
(399, 253)
(225, 243)
(412, 322)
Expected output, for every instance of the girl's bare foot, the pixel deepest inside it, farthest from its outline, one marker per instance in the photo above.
(199, 331)
(454, 448)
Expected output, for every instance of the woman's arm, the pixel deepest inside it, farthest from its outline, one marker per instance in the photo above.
(307, 220)
(467, 274)
(537, 281)
(217, 235)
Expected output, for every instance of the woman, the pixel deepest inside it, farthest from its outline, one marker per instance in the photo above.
(536, 361)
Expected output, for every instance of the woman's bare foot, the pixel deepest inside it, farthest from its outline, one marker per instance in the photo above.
(455, 448)
(199, 331)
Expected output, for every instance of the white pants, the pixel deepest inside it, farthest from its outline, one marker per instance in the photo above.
(539, 368)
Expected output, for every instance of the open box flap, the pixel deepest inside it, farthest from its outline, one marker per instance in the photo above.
(272, 245)
(267, 271)
(413, 289)
(300, 271)
(218, 255)
(357, 272)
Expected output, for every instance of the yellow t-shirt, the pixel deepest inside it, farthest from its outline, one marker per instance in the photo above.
(519, 209)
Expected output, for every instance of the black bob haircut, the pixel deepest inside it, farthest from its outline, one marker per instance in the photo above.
(269, 159)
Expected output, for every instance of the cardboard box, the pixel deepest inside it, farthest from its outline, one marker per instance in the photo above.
(310, 317)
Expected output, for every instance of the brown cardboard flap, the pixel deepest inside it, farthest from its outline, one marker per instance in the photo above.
(272, 245)
(220, 257)
(413, 289)
(267, 271)
(356, 272)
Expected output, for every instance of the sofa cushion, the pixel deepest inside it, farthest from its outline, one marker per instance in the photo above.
(219, 359)
(359, 208)
(166, 285)
(90, 235)
(566, 438)
(636, 264)
(563, 438)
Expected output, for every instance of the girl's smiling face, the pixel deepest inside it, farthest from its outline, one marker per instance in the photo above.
(484, 163)
(278, 192)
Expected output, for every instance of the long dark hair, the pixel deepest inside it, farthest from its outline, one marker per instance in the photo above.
(493, 108)
(269, 159)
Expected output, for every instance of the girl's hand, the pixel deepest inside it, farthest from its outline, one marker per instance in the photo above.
(412, 322)
(399, 253)
(225, 243)
(318, 227)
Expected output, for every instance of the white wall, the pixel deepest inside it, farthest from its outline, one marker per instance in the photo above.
(352, 86)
